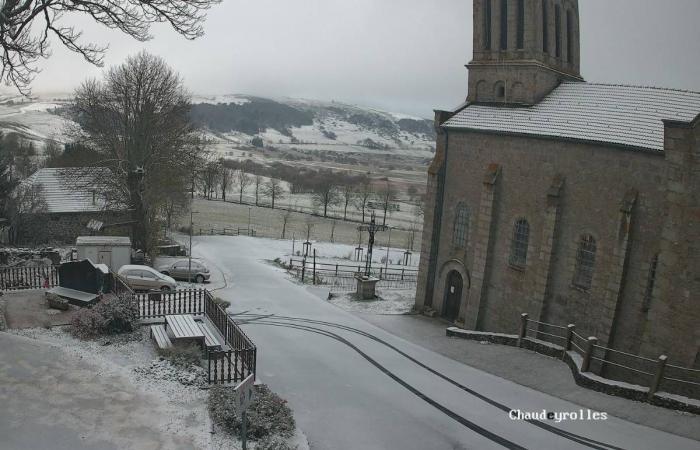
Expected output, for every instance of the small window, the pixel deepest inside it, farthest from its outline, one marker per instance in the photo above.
(487, 25)
(521, 24)
(545, 27)
(557, 31)
(461, 228)
(504, 24)
(519, 243)
(585, 262)
(651, 281)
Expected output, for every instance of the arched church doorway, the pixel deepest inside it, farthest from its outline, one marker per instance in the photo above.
(453, 296)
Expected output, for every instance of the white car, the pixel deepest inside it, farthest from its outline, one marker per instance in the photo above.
(144, 278)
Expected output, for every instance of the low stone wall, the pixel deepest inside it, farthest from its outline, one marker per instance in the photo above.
(587, 380)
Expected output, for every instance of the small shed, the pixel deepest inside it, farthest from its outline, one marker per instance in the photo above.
(114, 251)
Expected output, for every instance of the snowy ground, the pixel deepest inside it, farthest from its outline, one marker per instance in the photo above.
(354, 385)
(390, 301)
(165, 405)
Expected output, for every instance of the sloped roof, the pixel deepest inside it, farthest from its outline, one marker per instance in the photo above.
(623, 115)
(62, 193)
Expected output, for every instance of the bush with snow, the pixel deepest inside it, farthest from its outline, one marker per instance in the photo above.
(112, 315)
(268, 416)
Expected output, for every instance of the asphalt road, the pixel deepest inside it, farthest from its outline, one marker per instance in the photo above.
(355, 386)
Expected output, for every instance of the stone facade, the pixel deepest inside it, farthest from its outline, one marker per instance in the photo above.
(534, 68)
(65, 227)
(639, 208)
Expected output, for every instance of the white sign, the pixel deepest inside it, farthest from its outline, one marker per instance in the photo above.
(244, 393)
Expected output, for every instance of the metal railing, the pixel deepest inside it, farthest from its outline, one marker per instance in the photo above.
(655, 373)
(21, 278)
(341, 277)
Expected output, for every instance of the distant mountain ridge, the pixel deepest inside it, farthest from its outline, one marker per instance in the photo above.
(294, 121)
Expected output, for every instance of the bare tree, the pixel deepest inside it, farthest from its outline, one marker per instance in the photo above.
(362, 197)
(209, 178)
(388, 195)
(348, 193)
(137, 120)
(28, 25)
(26, 199)
(225, 177)
(242, 181)
(258, 183)
(286, 219)
(333, 225)
(325, 195)
(274, 190)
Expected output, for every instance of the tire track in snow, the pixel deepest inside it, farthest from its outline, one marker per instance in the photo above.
(283, 321)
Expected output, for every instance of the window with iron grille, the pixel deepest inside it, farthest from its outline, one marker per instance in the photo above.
(487, 25)
(585, 262)
(521, 239)
(651, 281)
(461, 230)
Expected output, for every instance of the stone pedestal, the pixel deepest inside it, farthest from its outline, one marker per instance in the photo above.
(366, 287)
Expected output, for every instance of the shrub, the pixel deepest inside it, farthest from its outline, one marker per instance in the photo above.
(273, 442)
(113, 315)
(221, 302)
(182, 355)
(267, 416)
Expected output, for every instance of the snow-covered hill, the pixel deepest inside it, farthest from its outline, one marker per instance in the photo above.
(238, 119)
(313, 125)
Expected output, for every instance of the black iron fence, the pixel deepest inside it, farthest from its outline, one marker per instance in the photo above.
(657, 374)
(341, 277)
(19, 278)
(231, 365)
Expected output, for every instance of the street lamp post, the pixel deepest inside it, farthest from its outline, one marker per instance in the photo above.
(249, 233)
(189, 265)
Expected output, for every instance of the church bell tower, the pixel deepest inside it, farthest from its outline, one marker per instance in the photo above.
(523, 49)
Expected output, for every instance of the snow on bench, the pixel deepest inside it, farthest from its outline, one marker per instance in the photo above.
(159, 334)
(211, 340)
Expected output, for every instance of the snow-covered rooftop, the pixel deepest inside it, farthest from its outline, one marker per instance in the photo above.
(62, 193)
(622, 115)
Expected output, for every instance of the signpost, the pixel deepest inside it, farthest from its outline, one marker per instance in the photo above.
(244, 396)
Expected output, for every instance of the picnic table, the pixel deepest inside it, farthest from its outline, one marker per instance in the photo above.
(183, 328)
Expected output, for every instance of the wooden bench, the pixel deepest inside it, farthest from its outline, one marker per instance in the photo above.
(159, 335)
(211, 340)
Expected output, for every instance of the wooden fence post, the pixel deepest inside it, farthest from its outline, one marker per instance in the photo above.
(658, 376)
(588, 355)
(303, 269)
(523, 328)
(314, 281)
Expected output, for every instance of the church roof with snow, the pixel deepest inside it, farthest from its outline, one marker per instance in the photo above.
(629, 116)
(67, 190)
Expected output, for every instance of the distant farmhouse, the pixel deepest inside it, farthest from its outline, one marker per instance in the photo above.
(570, 201)
(59, 207)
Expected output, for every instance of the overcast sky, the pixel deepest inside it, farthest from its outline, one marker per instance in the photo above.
(400, 55)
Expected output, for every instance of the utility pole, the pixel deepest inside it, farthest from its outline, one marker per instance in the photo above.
(249, 233)
(386, 263)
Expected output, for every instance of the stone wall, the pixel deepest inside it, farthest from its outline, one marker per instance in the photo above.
(565, 190)
(64, 228)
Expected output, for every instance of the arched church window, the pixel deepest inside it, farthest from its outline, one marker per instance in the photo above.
(487, 25)
(651, 281)
(569, 36)
(557, 31)
(545, 26)
(504, 24)
(461, 228)
(521, 24)
(519, 243)
(585, 262)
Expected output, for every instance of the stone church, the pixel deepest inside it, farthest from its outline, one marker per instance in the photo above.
(571, 201)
